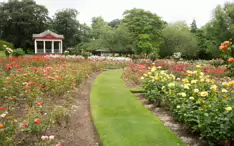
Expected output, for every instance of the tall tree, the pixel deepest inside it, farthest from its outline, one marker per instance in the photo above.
(146, 28)
(20, 19)
(98, 26)
(178, 38)
(194, 27)
(65, 23)
(114, 23)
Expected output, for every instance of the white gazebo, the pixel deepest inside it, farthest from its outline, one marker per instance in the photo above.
(48, 42)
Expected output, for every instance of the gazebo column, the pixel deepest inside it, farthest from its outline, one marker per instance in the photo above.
(52, 47)
(61, 47)
(44, 47)
(35, 46)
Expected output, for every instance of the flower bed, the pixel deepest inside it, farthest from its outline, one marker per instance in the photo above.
(31, 91)
(196, 100)
(134, 71)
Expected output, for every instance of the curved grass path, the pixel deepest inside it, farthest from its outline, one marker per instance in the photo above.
(121, 120)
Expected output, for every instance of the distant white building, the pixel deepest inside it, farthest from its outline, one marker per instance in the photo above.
(48, 42)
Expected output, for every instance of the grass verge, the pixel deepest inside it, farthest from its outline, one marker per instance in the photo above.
(137, 90)
(121, 120)
(2, 53)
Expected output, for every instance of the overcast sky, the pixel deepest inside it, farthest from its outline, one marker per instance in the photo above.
(169, 10)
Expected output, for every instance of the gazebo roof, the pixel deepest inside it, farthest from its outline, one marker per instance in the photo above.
(48, 35)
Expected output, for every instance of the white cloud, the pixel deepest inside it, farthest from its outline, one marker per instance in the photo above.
(169, 10)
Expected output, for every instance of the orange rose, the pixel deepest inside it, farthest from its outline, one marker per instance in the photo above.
(223, 47)
(226, 42)
(231, 60)
(1, 125)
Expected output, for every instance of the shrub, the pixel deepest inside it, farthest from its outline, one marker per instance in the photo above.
(18, 52)
(217, 62)
(85, 54)
(66, 52)
(153, 56)
(226, 49)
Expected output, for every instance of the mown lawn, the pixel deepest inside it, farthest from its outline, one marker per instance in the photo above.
(2, 53)
(121, 120)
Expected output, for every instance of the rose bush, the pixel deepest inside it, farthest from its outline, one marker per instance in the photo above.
(196, 100)
(31, 89)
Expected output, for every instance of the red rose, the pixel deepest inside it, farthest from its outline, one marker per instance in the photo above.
(2, 108)
(40, 104)
(24, 124)
(37, 121)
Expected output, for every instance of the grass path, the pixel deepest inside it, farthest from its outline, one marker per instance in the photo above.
(121, 120)
(2, 53)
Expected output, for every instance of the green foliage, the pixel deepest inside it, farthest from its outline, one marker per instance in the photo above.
(2, 43)
(85, 54)
(178, 38)
(106, 38)
(194, 27)
(17, 16)
(65, 23)
(61, 115)
(146, 28)
(153, 56)
(114, 23)
(18, 52)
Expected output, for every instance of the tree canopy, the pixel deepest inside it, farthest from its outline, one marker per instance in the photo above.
(139, 31)
(20, 19)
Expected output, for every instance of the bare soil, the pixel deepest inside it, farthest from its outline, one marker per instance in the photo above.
(79, 131)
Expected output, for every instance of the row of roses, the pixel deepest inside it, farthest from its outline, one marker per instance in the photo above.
(196, 100)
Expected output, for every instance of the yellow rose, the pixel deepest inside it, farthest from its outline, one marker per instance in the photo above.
(225, 84)
(196, 90)
(159, 67)
(193, 81)
(224, 91)
(171, 85)
(185, 80)
(191, 98)
(201, 74)
(228, 108)
(182, 94)
(142, 78)
(156, 78)
(213, 87)
(149, 73)
(204, 94)
(186, 86)
(198, 66)
(153, 69)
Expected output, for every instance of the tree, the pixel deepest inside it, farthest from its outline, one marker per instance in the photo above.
(114, 23)
(146, 28)
(106, 38)
(178, 38)
(194, 27)
(85, 33)
(99, 26)
(218, 29)
(65, 23)
(20, 19)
